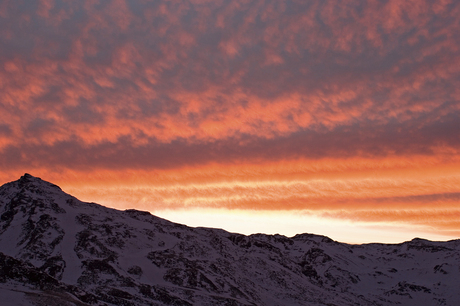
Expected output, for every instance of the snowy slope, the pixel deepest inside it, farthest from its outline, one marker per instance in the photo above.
(57, 250)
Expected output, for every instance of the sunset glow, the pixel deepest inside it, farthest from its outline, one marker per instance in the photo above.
(339, 118)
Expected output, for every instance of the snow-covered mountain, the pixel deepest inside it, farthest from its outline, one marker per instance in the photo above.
(57, 250)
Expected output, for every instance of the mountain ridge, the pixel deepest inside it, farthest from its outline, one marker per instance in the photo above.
(55, 247)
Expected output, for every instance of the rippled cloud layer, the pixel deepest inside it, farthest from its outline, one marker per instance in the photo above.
(252, 94)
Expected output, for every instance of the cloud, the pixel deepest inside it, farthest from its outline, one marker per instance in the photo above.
(443, 221)
(163, 86)
(221, 70)
(39, 126)
(5, 130)
(125, 152)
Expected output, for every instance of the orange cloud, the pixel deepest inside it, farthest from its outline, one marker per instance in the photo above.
(255, 105)
(420, 191)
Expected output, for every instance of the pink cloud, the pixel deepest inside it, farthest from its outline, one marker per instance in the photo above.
(258, 73)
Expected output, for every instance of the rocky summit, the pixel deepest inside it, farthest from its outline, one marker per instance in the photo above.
(57, 250)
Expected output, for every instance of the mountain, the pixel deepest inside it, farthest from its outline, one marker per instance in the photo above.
(57, 250)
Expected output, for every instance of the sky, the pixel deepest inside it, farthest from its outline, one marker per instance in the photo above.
(339, 118)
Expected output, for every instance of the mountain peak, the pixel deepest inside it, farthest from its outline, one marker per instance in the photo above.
(29, 181)
(27, 178)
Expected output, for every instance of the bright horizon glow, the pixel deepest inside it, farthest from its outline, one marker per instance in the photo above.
(352, 208)
(291, 223)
